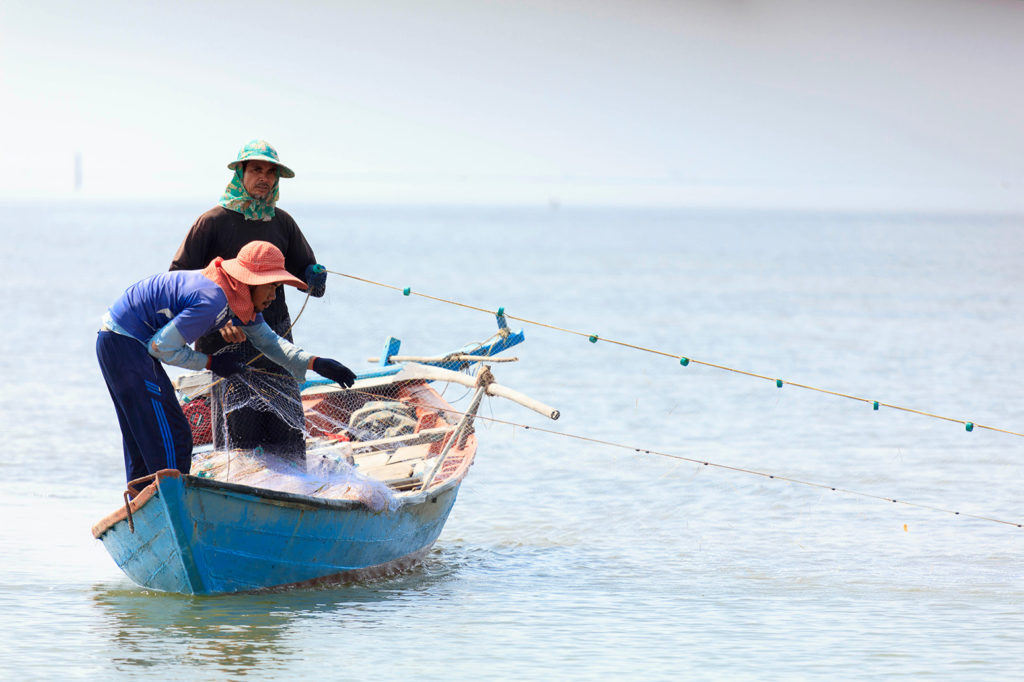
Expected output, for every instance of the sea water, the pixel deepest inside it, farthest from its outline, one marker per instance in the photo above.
(565, 558)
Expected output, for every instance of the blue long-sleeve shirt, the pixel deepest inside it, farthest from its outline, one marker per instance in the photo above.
(169, 311)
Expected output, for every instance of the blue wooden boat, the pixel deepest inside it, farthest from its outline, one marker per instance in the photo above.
(201, 536)
(214, 531)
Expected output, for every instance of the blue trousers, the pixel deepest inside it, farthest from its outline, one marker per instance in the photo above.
(154, 430)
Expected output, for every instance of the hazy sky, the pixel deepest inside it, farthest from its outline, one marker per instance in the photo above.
(810, 102)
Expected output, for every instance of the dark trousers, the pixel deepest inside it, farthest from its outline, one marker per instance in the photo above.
(154, 430)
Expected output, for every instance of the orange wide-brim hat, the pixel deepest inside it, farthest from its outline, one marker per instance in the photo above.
(261, 263)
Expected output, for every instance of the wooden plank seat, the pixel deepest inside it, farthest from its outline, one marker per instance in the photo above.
(397, 469)
(389, 472)
(391, 460)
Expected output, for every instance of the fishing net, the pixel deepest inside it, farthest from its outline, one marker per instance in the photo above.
(257, 429)
(258, 408)
(331, 476)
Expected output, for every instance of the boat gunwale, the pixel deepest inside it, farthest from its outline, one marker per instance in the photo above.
(134, 504)
(301, 500)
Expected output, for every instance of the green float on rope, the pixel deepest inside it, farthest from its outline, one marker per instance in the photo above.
(501, 310)
(406, 291)
(593, 338)
(874, 405)
(684, 361)
(969, 426)
(778, 382)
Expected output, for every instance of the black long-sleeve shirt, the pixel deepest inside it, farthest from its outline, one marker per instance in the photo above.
(221, 232)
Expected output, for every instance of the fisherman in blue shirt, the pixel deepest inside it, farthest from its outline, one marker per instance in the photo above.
(156, 319)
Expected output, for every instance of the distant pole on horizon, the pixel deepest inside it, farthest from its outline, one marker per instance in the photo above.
(78, 171)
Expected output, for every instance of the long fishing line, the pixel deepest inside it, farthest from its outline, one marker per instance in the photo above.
(727, 467)
(683, 359)
(692, 460)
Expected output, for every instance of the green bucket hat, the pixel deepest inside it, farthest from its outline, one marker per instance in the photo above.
(260, 150)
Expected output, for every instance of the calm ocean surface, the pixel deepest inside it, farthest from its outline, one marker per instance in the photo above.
(566, 559)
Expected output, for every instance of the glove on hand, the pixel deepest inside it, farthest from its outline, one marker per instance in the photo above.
(224, 365)
(335, 371)
(316, 278)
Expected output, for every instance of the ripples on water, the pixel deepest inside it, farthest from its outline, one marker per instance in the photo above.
(565, 559)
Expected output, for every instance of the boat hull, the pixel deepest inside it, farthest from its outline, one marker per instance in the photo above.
(200, 536)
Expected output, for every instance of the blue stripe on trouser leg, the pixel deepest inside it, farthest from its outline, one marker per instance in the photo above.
(165, 433)
(155, 432)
